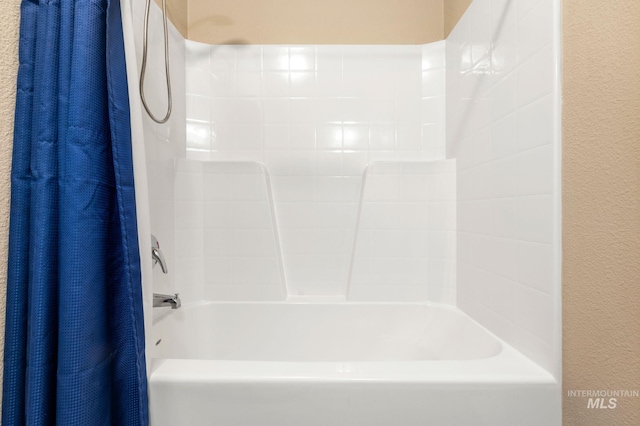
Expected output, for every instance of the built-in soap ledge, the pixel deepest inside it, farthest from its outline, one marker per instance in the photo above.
(410, 167)
(404, 243)
(317, 299)
(226, 222)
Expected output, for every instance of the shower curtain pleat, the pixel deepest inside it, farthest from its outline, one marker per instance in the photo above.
(74, 334)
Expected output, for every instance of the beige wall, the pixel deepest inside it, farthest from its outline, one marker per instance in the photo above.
(601, 203)
(9, 10)
(287, 21)
(177, 13)
(316, 22)
(313, 22)
(453, 11)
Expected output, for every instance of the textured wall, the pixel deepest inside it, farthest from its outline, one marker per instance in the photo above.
(601, 202)
(315, 22)
(9, 10)
(453, 11)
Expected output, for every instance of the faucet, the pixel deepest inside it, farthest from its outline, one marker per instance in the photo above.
(160, 300)
(156, 254)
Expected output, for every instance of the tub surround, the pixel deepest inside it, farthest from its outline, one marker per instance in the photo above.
(315, 116)
(503, 129)
(227, 237)
(399, 244)
(337, 160)
(162, 142)
(404, 245)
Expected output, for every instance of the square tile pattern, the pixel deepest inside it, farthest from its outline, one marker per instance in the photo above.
(355, 195)
(315, 116)
(502, 90)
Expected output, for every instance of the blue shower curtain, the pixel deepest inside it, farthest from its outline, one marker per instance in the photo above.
(74, 342)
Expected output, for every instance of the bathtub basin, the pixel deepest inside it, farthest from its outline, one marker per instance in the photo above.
(351, 364)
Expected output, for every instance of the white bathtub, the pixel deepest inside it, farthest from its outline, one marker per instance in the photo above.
(340, 364)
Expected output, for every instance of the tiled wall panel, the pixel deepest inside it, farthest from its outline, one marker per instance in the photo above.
(227, 243)
(163, 142)
(405, 241)
(502, 118)
(315, 116)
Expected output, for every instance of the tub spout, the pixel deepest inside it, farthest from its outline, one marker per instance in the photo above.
(160, 300)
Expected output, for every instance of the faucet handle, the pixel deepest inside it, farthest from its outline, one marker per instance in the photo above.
(156, 254)
(154, 242)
